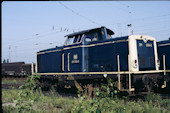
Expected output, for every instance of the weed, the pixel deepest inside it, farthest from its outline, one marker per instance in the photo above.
(34, 101)
(8, 109)
(153, 97)
(26, 96)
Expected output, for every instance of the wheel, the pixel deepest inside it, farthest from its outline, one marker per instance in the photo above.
(149, 86)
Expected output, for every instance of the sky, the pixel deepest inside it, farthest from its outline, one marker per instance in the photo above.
(28, 27)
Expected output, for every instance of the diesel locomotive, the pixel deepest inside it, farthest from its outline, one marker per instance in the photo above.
(89, 57)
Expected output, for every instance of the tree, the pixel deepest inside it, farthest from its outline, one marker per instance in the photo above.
(7, 61)
(4, 61)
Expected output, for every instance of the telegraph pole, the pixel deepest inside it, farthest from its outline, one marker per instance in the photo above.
(15, 53)
(9, 52)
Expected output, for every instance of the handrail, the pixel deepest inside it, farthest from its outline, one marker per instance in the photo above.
(68, 61)
(118, 67)
(63, 62)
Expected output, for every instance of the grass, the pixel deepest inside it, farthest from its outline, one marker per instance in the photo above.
(54, 103)
(51, 102)
(8, 96)
(36, 102)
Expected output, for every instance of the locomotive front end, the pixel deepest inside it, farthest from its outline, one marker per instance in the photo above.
(144, 63)
(143, 53)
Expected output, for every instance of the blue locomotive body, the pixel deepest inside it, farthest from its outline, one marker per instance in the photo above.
(49, 60)
(103, 55)
(164, 49)
(95, 51)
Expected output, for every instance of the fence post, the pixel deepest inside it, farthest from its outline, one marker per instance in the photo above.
(32, 68)
(164, 64)
(118, 64)
(36, 67)
(163, 86)
(129, 73)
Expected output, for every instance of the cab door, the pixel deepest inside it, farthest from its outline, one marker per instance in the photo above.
(146, 55)
(65, 61)
(72, 56)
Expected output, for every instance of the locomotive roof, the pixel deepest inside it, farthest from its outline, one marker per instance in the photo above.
(51, 49)
(110, 32)
(164, 41)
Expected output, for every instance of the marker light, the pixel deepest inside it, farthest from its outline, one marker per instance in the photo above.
(135, 63)
(158, 63)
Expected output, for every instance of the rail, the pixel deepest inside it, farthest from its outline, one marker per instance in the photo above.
(101, 73)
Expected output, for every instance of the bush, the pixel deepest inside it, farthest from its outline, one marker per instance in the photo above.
(102, 103)
(26, 96)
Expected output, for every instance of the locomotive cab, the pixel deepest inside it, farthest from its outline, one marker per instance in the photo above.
(76, 56)
(98, 34)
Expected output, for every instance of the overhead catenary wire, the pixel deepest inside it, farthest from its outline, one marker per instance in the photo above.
(151, 29)
(120, 30)
(141, 19)
(151, 24)
(126, 10)
(33, 49)
(40, 36)
(160, 31)
(30, 49)
(90, 20)
(37, 35)
(123, 4)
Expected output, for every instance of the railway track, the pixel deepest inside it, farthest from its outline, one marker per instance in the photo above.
(12, 82)
(69, 92)
(143, 95)
(11, 85)
(14, 78)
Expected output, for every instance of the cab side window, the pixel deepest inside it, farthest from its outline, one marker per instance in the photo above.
(79, 38)
(91, 37)
(95, 38)
(69, 40)
(73, 40)
(109, 36)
